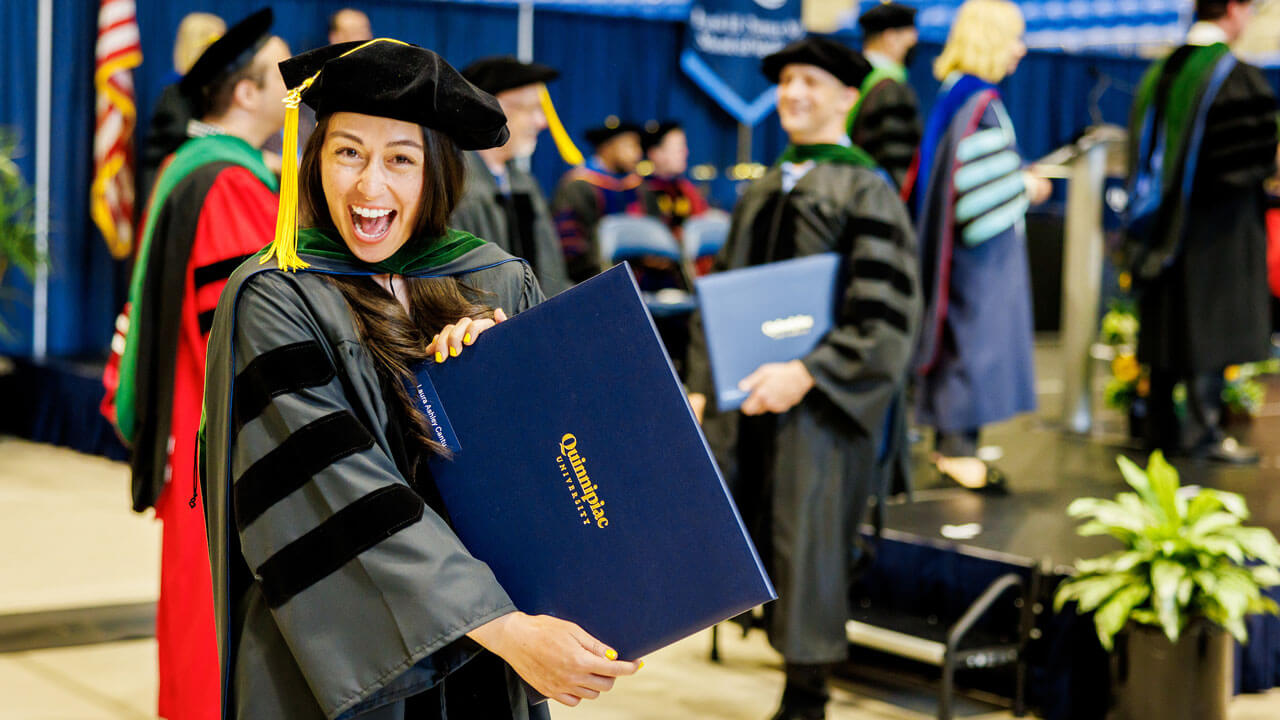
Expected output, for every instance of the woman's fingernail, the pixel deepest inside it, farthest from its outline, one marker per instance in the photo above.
(641, 665)
(439, 356)
(611, 654)
(453, 351)
(467, 338)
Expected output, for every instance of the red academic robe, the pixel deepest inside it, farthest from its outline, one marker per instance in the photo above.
(211, 220)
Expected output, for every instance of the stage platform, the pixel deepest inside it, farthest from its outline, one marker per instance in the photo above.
(943, 545)
(56, 402)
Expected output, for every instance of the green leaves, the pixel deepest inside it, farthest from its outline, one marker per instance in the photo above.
(17, 229)
(1209, 501)
(1185, 556)
(1112, 616)
(1165, 576)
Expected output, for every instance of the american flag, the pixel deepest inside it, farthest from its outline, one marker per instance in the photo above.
(118, 52)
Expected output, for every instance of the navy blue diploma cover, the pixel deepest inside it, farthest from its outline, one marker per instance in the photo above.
(581, 477)
(763, 314)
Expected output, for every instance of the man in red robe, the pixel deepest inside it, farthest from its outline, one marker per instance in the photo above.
(213, 206)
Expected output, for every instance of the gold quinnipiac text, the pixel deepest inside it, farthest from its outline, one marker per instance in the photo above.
(585, 493)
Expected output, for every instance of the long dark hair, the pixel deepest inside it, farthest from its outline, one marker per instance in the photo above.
(394, 338)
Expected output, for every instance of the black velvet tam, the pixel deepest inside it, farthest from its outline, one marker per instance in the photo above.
(229, 53)
(655, 132)
(400, 81)
(612, 128)
(844, 62)
(502, 72)
(887, 15)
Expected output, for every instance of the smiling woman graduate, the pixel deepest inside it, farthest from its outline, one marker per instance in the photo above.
(340, 589)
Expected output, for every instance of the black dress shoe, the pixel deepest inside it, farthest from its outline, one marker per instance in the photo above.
(1225, 450)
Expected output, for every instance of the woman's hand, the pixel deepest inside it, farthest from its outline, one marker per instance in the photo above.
(452, 338)
(556, 657)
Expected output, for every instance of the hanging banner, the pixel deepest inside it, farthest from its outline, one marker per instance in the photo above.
(644, 9)
(724, 44)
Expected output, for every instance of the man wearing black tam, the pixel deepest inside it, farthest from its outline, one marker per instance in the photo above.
(886, 120)
(213, 203)
(340, 589)
(606, 185)
(503, 203)
(804, 452)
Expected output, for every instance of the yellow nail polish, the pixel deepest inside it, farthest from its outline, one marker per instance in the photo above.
(611, 654)
(467, 338)
(439, 356)
(641, 665)
(453, 351)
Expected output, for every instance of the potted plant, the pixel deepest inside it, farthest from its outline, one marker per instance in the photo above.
(1128, 386)
(17, 232)
(1242, 394)
(1187, 576)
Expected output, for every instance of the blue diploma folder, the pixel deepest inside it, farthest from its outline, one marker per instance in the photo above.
(581, 476)
(765, 314)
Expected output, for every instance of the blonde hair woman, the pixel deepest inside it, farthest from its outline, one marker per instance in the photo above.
(985, 41)
(975, 355)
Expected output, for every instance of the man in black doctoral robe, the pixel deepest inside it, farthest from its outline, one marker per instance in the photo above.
(503, 202)
(886, 119)
(802, 455)
(1200, 273)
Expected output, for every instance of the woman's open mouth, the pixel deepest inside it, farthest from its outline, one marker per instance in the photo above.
(371, 224)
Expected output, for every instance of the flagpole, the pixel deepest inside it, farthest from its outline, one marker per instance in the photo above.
(524, 53)
(44, 119)
(524, 32)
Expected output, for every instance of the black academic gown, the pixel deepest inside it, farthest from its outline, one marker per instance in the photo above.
(519, 223)
(803, 479)
(887, 126)
(340, 589)
(1210, 306)
(165, 134)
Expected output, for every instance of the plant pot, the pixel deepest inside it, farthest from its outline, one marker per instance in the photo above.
(1189, 680)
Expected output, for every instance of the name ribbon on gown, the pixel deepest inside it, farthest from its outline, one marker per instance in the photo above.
(724, 44)
(581, 477)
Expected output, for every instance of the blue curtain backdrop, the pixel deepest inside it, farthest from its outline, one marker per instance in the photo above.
(82, 275)
(18, 115)
(611, 64)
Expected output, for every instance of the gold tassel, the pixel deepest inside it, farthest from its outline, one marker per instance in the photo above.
(285, 245)
(564, 143)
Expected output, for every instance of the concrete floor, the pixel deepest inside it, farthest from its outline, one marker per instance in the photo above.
(70, 542)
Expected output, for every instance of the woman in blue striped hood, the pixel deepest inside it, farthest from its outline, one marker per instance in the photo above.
(975, 354)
